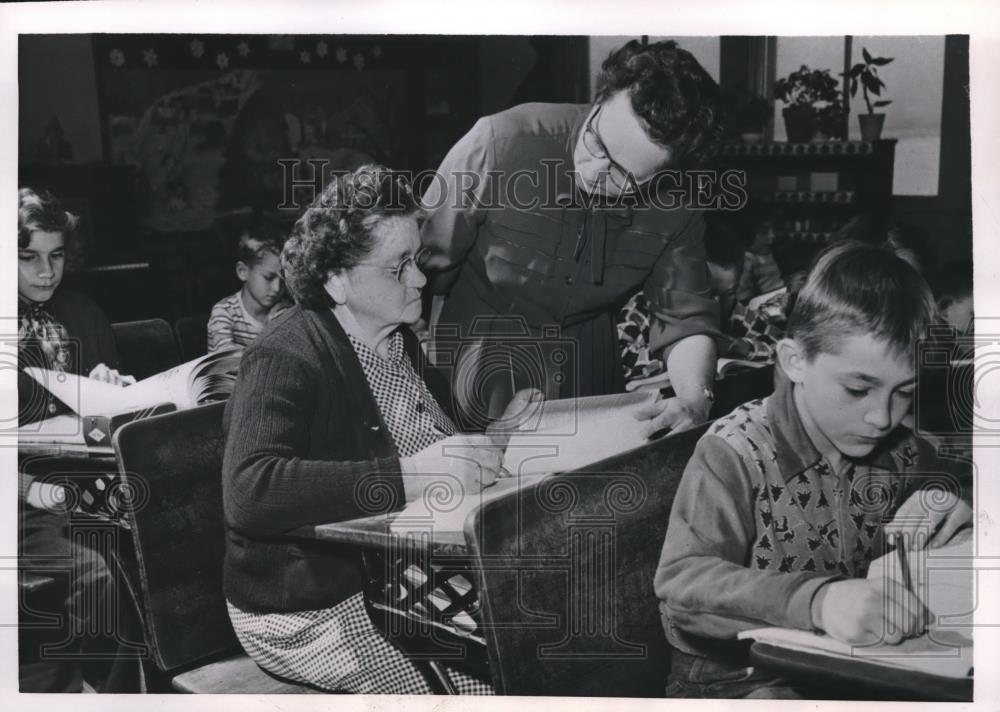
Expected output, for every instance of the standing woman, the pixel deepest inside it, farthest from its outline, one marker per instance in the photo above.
(545, 218)
(330, 420)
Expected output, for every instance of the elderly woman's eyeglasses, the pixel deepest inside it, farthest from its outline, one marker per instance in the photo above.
(418, 259)
(594, 144)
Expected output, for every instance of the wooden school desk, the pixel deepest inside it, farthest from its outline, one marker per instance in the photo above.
(858, 679)
(563, 566)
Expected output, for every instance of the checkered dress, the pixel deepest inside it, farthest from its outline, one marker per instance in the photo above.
(339, 648)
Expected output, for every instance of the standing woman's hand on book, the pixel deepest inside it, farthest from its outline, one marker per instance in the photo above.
(523, 409)
(671, 414)
(930, 518)
(110, 375)
(866, 612)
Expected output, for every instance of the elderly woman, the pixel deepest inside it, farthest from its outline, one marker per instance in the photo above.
(328, 415)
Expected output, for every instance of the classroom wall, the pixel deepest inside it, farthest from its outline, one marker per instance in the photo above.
(62, 84)
(504, 61)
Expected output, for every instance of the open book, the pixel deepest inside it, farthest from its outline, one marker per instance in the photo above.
(569, 433)
(202, 380)
(558, 435)
(944, 579)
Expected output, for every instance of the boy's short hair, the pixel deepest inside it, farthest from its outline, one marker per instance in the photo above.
(953, 282)
(854, 288)
(259, 240)
(723, 244)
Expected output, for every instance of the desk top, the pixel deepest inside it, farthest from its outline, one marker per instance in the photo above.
(865, 680)
(429, 523)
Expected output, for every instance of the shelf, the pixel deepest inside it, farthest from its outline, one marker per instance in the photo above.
(839, 197)
(810, 150)
(817, 237)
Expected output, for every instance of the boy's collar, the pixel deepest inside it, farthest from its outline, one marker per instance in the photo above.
(795, 451)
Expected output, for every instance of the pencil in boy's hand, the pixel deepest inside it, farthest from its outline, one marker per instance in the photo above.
(904, 562)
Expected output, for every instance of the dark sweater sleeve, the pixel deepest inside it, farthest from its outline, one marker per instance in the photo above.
(270, 487)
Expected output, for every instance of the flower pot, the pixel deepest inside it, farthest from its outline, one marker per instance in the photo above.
(871, 126)
(800, 123)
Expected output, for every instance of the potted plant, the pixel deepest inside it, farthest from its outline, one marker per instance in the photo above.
(805, 92)
(866, 73)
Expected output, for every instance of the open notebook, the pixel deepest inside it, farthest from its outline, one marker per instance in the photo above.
(560, 435)
(944, 578)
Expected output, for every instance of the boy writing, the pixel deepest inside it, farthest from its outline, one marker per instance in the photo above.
(239, 318)
(785, 501)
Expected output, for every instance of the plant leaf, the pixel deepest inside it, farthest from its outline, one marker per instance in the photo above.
(868, 57)
(883, 102)
(854, 87)
(882, 61)
(857, 69)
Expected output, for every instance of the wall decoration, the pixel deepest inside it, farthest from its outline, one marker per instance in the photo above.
(204, 120)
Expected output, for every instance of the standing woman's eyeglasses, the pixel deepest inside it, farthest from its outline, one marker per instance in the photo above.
(594, 144)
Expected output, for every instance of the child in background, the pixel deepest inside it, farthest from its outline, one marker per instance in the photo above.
(760, 273)
(953, 292)
(239, 318)
(724, 259)
(773, 523)
(748, 334)
(66, 332)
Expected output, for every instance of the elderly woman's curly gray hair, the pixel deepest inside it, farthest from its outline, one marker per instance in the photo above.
(336, 232)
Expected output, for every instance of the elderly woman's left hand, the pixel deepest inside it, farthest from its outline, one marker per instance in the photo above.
(523, 406)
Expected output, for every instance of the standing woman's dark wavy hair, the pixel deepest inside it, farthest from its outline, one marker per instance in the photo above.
(678, 102)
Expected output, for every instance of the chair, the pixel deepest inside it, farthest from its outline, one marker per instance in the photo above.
(145, 347)
(566, 576)
(171, 468)
(192, 336)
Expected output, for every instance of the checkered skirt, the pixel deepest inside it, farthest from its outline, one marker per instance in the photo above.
(337, 649)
